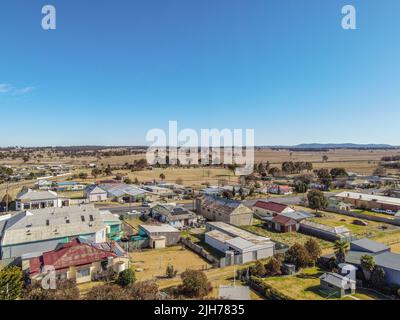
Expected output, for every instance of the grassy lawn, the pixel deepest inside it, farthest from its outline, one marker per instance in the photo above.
(373, 230)
(302, 286)
(286, 238)
(374, 214)
(71, 194)
(305, 286)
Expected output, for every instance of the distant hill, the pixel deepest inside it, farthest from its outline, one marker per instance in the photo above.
(341, 146)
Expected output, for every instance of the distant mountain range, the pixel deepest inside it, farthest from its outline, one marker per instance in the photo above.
(338, 146)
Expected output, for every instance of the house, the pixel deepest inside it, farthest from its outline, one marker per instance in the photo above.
(336, 204)
(226, 210)
(93, 193)
(369, 201)
(283, 224)
(68, 186)
(159, 192)
(239, 245)
(43, 185)
(337, 285)
(178, 217)
(298, 215)
(324, 231)
(124, 193)
(367, 245)
(37, 231)
(280, 189)
(160, 236)
(31, 200)
(80, 260)
(270, 208)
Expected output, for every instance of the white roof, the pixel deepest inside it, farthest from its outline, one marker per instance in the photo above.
(369, 197)
(33, 195)
(240, 243)
(236, 233)
(158, 228)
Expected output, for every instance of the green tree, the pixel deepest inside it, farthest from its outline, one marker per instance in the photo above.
(298, 256)
(83, 175)
(195, 283)
(338, 172)
(324, 176)
(378, 277)
(171, 272)
(162, 176)
(316, 200)
(313, 248)
(341, 248)
(258, 269)
(367, 266)
(126, 277)
(96, 172)
(108, 170)
(273, 267)
(11, 282)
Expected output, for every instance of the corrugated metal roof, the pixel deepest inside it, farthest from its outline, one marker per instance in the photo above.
(54, 223)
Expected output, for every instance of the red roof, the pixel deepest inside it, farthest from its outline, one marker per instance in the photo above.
(74, 253)
(286, 221)
(270, 205)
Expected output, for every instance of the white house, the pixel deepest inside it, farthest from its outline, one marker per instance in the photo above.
(94, 193)
(30, 200)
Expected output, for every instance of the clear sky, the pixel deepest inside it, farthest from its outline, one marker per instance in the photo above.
(115, 69)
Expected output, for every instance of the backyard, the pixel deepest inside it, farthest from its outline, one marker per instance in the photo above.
(287, 238)
(153, 263)
(305, 286)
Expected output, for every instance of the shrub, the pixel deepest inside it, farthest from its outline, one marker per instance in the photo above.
(107, 292)
(195, 283)
(126, 277)
(258, 270)
(171, 272)
(11, 282)
(273, 267)
(144, 290)
(298, 256)
(65, 290)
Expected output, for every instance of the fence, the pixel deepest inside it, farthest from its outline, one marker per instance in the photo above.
(200, 251)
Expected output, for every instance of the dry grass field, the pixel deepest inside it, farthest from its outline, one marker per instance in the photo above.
(155, 262)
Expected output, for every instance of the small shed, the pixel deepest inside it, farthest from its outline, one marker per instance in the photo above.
(337, 285)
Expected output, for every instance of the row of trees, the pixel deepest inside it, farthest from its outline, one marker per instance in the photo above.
(291, 167)
(299, 255)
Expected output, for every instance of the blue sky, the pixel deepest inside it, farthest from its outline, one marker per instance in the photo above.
(115, 69)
